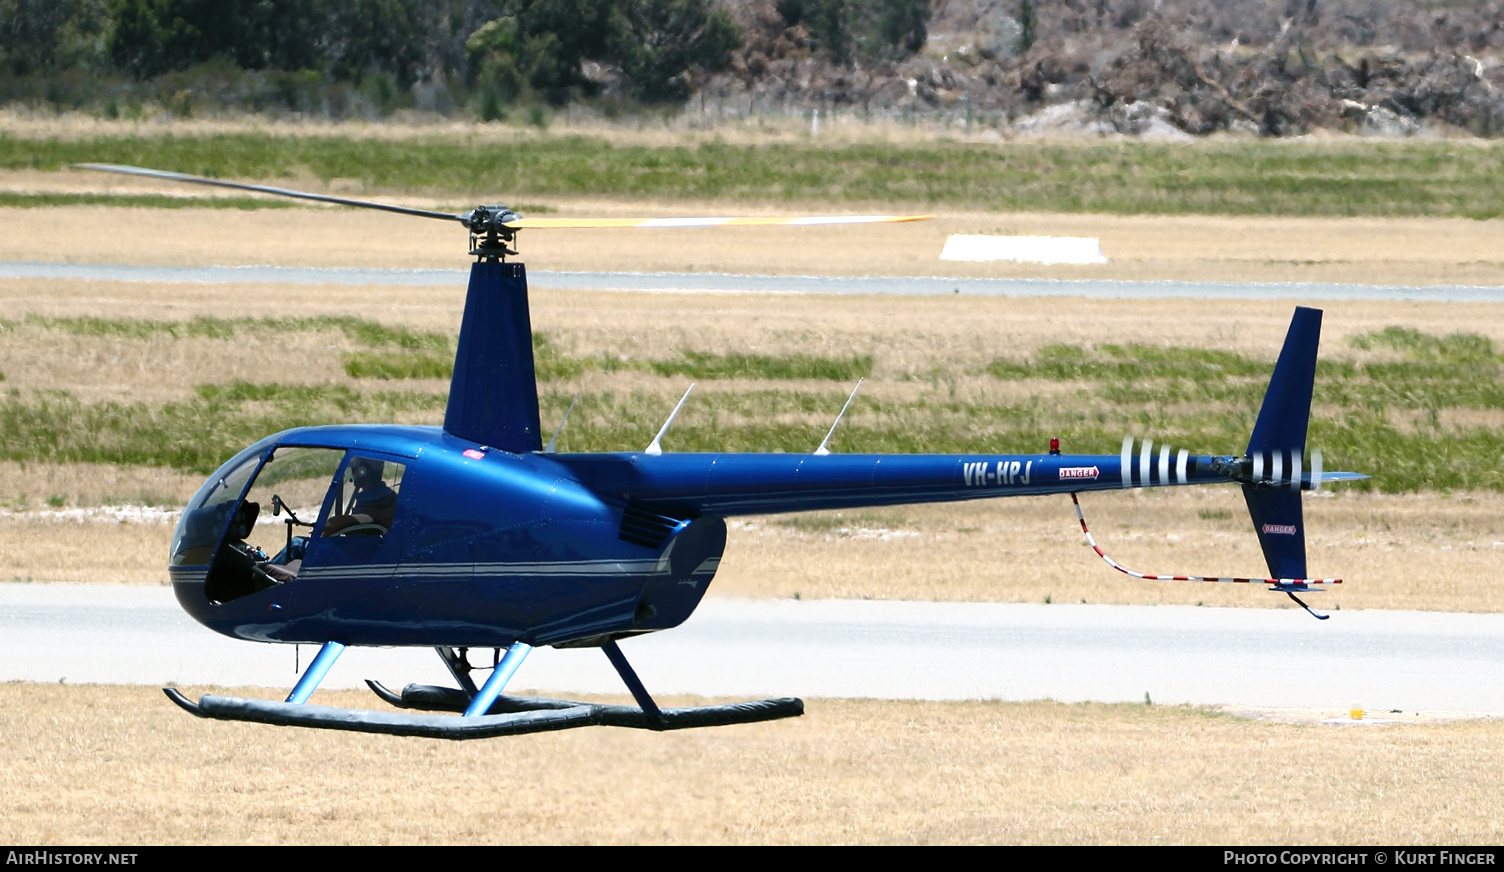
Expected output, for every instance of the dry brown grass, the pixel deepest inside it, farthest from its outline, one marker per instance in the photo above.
(108, 368)
(121, 765)
(912, 335)
(1394, 552)
(422, 308)
(28, 485)
(660, 130)
(1192, 248)
(908, 336)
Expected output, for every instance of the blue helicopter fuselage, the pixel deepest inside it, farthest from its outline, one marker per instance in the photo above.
(487, 547)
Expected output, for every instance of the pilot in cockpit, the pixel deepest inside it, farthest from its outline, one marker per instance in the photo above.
(372, 505)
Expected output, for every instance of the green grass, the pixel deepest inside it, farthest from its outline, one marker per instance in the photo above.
(1382, 417)
(704, 365)
(1387, 410)
(402, 353)
(387, 365)
(14, 200)
(361, 330)
(1430, 178)
(199, 433)
(29, 200)
(196, 434)
(552, 364)
(1415, 345)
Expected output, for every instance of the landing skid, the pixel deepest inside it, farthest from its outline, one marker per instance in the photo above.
(426, 697)
(501, 716)
(287, 714)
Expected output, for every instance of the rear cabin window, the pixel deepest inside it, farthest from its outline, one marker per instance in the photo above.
(364, 502)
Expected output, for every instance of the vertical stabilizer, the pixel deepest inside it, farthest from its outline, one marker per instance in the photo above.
(1286, 412)
(1277, 448)
(1280, 525)
(493, 395)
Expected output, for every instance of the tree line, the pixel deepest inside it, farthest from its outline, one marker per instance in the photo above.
(495, 52)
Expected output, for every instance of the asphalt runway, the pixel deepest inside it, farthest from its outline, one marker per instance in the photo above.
(721, 283)
(1408, 661)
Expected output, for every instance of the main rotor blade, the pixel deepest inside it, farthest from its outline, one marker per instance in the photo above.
(265, 189)
(516, 223)
(811, 221)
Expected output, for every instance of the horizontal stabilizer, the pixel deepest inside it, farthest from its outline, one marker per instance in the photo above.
(1336, 476)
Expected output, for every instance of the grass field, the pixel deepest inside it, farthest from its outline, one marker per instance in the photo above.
(1231, 177)
(120, 765)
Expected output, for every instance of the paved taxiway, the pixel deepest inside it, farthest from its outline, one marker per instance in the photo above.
(721, 283)
(1412, 661)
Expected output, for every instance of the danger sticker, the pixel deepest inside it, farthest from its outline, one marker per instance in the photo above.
(1280, 529)
(1078, 472)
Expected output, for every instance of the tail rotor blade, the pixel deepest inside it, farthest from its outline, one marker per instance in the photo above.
(1316, 469)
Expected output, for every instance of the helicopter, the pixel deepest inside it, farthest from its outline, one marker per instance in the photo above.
(479, 534)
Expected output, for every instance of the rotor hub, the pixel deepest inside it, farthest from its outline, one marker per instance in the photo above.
(489, 233)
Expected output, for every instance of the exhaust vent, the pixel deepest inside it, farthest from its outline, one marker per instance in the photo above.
(645, 527)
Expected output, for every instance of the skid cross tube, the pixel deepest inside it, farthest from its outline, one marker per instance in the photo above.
(316, 672)
(459, 667)
(633, 683)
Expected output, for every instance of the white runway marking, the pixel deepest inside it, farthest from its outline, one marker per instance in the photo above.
(1413, 661)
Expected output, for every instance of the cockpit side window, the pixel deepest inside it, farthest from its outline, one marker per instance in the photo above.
(364, 502)
(255, 556)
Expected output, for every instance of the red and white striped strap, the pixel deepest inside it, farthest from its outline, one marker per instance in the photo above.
(1126, 571)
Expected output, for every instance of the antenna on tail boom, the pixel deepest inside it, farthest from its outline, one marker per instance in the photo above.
(656, 446)
(823, 449)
